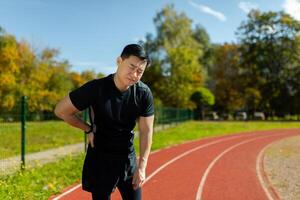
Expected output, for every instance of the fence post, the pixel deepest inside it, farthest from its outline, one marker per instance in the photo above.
(23, 130)
(85, 118)
(177, 116)
(162, 117)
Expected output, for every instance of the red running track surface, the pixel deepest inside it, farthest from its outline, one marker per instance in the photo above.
(219, 168)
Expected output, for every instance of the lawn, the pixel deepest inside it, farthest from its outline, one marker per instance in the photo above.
(39, 136)
(50, 134)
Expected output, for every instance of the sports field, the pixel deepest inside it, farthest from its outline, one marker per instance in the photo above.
(50, 179)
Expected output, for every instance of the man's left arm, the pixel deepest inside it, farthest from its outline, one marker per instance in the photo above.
(145, 140)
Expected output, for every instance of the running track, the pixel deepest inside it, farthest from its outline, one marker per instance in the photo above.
(219, 168)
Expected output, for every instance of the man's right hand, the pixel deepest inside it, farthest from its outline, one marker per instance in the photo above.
(91, 139)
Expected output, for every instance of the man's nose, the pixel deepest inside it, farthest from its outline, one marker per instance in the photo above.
(135, 74)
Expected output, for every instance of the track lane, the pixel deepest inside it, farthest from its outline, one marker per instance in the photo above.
(156, 184)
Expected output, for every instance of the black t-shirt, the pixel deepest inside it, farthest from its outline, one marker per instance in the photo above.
(115, 112)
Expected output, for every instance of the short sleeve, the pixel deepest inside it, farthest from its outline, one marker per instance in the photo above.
(84, 96)
(147, 106)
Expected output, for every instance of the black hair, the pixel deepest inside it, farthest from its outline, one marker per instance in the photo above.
(135, 50)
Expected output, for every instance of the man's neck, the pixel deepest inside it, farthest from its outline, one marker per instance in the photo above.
(119, 84)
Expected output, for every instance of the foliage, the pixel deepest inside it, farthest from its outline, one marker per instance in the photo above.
(41, 76)
(270, 49)
(175, 52)
(203, 97)
(228, 83)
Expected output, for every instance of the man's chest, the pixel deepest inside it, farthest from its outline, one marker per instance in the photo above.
(120, 108)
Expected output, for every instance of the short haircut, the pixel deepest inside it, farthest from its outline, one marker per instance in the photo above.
(135, 50)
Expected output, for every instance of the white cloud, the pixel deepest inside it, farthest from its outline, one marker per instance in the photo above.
(247, 6)
(292, 7)
(208, 10)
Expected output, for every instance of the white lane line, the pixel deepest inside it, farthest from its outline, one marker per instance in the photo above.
(167, 163)
(189, 152)
(259, 170)
(67, 192)
(203, 179)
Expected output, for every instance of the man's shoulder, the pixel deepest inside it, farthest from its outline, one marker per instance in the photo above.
(142, 86)
(100, 81)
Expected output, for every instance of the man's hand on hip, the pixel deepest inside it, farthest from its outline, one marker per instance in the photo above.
(91, 139)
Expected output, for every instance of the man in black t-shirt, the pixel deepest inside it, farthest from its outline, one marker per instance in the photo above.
(116, 102)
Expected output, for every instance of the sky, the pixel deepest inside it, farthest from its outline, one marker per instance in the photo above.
(91, 34)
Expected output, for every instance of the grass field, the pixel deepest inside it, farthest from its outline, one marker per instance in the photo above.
(43, 181)
(50, 134)
(39, 136)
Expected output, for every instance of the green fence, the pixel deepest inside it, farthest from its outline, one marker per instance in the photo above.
(23, 132)
(167, 115)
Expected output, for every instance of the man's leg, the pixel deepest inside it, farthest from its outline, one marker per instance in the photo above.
(100, 196)
(127, 191)
(107, 178)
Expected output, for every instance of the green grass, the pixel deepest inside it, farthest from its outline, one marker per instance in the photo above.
(39, 136)
(44, 181)
(196, 130)
(50, 134)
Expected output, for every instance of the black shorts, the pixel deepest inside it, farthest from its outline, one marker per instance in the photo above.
(125, 188)
(103, 173)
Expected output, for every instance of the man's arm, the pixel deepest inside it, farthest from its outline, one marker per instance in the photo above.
(66, 111)
(145, 138)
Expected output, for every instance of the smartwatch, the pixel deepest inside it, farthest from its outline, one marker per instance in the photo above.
(89, 131)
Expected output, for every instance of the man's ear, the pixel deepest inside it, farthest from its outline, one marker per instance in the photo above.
(119, 60)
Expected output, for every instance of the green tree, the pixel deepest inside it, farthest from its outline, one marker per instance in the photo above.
(202, 98)
(228, 81)
(175, 53)
(206, 60)
(270, 48)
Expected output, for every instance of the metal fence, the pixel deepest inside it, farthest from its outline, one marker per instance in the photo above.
(28, 139)
(167, 115)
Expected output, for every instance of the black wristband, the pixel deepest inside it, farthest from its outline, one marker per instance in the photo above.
(89, 131)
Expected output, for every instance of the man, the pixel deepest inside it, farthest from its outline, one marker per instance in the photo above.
(116, 102)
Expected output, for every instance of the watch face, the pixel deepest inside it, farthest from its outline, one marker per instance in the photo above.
(89, 131)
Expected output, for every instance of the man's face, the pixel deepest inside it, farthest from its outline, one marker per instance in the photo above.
(130, 70)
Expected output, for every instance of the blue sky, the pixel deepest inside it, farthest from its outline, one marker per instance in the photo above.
(90, 34)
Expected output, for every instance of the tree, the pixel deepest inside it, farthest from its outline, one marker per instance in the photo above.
(228, 81)
(40, 76)
(206, 60)
(175, 54)
(270, 49)
(48, 81)
(202, 97)
(88, 75)
(9, 69)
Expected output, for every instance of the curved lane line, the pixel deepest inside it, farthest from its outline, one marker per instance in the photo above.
(260, 175)
(204, 177)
